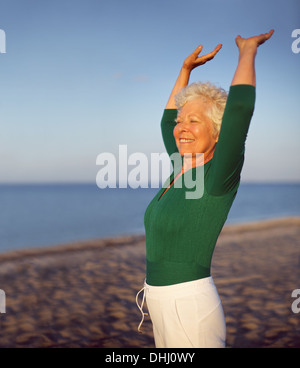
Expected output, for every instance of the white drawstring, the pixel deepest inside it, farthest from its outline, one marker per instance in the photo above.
(141, 307)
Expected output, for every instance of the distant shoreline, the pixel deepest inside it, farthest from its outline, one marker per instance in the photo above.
(90, 244)
(90, 183)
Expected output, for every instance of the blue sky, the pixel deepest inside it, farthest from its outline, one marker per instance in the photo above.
(82, 77)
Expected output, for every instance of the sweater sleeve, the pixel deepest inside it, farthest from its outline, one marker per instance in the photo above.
(167, 126)
(228, 158)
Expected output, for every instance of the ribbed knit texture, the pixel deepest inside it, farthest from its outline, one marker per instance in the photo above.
(181, 233)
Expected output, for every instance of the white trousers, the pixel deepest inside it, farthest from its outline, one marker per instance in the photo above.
(186, 315)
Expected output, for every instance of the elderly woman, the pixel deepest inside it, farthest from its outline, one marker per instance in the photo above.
(181, 233)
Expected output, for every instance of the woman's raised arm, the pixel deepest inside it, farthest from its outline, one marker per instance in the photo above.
(229, 154)
(245, 72)
(190, 63)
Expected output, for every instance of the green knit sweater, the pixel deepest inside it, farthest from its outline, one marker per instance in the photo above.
(181, 233)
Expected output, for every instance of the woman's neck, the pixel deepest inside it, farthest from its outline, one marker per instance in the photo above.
(194, 160)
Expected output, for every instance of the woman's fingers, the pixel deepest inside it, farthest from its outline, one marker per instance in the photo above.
(218, 48)
(264, 37)
(269, 34)
(210, 55)
(194, 60)
(213, 53)
(198, 50)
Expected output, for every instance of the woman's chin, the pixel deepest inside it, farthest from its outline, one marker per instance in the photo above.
(186, 153)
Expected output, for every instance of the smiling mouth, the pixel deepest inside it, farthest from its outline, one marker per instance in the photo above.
(184, 140)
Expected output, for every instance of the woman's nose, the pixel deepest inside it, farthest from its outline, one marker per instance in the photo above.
(183, 127)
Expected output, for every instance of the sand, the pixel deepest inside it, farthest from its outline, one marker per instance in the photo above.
(83, 294)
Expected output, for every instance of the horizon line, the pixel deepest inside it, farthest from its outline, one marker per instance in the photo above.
(77, 182)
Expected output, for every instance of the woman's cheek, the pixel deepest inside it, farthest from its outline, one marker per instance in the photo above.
(175, 132)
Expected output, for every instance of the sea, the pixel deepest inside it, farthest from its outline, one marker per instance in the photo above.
(40, 215)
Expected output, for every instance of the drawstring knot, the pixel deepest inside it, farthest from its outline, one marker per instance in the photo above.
(141, 307)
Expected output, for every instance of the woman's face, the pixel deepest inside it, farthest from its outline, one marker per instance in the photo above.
(194, 130)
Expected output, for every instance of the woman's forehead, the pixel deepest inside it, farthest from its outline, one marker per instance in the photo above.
(194, 107)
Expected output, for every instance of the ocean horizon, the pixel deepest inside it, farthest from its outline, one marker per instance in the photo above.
(44, 214)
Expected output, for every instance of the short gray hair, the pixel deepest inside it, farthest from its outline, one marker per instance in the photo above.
(215, 97)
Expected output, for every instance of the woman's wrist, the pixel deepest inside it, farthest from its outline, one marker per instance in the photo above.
(248, 52)
(186, 68)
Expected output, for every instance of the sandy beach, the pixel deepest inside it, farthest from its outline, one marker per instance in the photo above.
(83, 294)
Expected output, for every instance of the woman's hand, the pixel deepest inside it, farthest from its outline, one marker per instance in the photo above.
(245, 71)
(193, 60)
(252, 42)
(190, 63)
